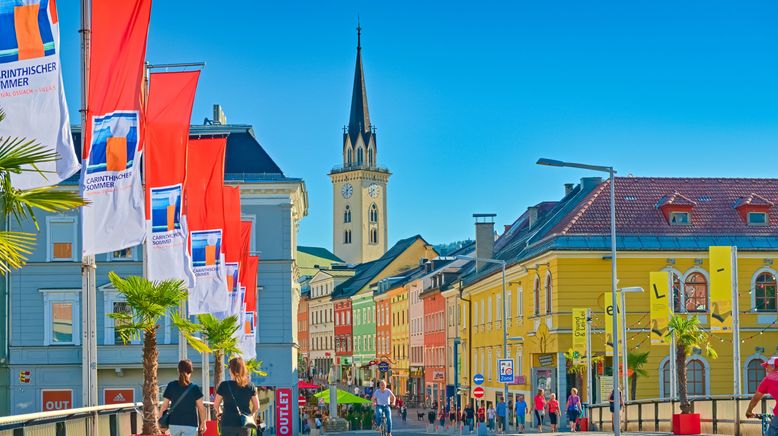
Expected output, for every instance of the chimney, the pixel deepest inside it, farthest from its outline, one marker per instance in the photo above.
(484, 236)
(569, 188)
(218, 115)
(532, 215)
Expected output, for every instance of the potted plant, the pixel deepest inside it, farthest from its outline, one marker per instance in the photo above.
(635, 363)
(148, 302)
(688, 336)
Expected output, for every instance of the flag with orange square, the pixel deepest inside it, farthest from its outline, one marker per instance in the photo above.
(32, 96)
(114, 130)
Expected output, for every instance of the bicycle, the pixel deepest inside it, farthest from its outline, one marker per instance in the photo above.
(382, 424)
(766, 418)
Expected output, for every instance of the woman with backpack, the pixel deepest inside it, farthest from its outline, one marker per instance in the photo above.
(573, 408)
(239, 397)
(183, 412)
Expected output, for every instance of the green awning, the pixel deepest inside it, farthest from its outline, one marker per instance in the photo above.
(343, 397)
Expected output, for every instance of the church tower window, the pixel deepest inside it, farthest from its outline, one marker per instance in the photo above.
(370, 161)
(347, 215)
(360, 156)
(347, 236)
(373, 213)
(349, 156)
(374, 235)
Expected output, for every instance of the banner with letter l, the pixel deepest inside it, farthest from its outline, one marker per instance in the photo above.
(660, 306)
(110, 175)
(723, 265)
(579, 335)
(171, 96)
(32, 96)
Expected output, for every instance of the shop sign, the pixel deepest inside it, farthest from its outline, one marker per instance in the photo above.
(346, 361)
(546, 360)
(519, 380)
(56, 399)
(118, 395)
(24, 376)
(284, 412)
(438, 375)
(417, 371)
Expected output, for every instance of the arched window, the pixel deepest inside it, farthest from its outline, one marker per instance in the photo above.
(360, 156)
(370, 157)
(537, 296)
(754, 374)
(347, 215)
(666, 379)
(764, 292)
(347, 236)
(349, 156)
(373, 236)
(373, 213)
(677, 294)
(548, 293)
(695, 377)
(696, 292)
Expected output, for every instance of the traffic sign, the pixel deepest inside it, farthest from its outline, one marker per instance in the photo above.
(506, 370)
(478, 392)
(301, 401)
(478, 379)
(383, 366)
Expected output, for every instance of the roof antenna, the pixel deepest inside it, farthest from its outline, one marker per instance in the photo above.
(359, 34)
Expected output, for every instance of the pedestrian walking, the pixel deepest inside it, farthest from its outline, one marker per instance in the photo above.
(404, 413)
(573, 409)
(490, 415)
(521, 413)
(502, 415)
(539, 409)
(611, 401)
(239, 397)
(442, 418)
(553, 412)
(470, 417)
(187, 414)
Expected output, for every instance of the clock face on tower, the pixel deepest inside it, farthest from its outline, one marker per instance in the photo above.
(373, 190)
(347, 190)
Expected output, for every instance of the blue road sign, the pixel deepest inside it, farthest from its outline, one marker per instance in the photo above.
(383, 366)
(506, 370)
(478, 379)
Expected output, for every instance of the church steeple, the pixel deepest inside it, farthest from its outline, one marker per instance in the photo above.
(359, 120)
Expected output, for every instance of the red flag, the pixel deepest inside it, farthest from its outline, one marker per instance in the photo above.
(204, 182)
(167, 134)
(251, 283)
(113, 133)
(245, 248)
(232, 224)
(169, 111)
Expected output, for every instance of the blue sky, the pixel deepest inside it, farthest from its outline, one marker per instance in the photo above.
(467, 95)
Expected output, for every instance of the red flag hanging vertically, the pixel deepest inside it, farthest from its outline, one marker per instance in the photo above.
(232, 246)
(111, 178)
(245, 248)
(204, 208)
(171, 96)
(248, 339)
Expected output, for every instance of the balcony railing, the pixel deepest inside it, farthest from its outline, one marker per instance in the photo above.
(353, 167)
(118, 419)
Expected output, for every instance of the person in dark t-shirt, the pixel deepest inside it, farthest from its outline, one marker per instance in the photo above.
(184, 403)
(238, 396)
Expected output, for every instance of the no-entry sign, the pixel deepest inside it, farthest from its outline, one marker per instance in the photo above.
(478, 392)
(301, 401)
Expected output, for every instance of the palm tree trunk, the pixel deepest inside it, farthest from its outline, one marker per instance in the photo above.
(218, 367)
(150, 385)
(633, 386)
(680, 364)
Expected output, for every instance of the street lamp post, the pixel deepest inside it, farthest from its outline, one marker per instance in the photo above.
(624, 360)
(611, 173)
(502, 264)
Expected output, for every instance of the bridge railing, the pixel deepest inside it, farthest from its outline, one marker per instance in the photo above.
(718, 415)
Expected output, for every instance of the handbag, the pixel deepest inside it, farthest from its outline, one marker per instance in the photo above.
(246, 421)
(164, 419)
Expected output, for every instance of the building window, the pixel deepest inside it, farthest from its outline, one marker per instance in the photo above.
(489, 309)
(695, 377)
(520, 303)
(61, 317)
(360, 156)
(680, 218)
(61, 238)
(370, 157)
(548, 294)
(764, 292)
(374, 235)
(349, 156)
(666, 379)
(347, 215)
(757, 218)
(125, 254)
(373, 213)
(696, 292)
(119, 307)
(754, 374)
(508, 305)
(537, 296)
(347, 236)
(677, 293)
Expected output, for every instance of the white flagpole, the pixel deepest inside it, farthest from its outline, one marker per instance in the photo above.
(88, 266)
(736, 338)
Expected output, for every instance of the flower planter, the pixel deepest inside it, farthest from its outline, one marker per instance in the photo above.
(686, 423)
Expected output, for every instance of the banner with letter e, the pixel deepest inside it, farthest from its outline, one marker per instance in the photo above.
(110, 175)
(660, 306)
(723, 267)
(609, 314)
(579, 335)
(32, 96)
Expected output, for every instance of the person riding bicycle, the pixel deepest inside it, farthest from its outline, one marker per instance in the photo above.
(769, 385)
(383, 399)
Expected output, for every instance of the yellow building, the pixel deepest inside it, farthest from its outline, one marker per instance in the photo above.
(558, 259)
(400, 339)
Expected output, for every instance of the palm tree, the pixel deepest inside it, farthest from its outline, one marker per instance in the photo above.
(19, 155)
(688, 336)
(636, 362)
(149, 302)
(218, 335)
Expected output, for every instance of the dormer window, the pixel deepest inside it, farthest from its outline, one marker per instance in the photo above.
(680, 218)
(757, 218)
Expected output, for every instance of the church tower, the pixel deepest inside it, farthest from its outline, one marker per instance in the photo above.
(358, 184)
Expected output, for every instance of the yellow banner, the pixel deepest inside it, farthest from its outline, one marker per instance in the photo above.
(660, 306)
(579, 335)
(722, 266)
(609, 313)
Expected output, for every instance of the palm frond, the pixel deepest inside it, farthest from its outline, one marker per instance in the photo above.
(188, 329)
(148, 301)
(254, 366)
(14, 248)
(220, 334)
(22, 204)
(18, 155)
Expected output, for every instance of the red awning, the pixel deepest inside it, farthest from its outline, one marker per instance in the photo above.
(302, 384)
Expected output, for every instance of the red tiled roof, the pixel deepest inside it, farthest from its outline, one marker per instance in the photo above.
(754, 200)
(677, 199)
(638, 202)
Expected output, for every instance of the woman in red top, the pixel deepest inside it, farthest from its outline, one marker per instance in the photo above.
(539, 409)
(553, 411)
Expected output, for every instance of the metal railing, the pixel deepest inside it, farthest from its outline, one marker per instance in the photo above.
(113, 420)
(718, 415)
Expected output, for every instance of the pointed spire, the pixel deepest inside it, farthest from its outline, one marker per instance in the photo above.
(359, 120)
